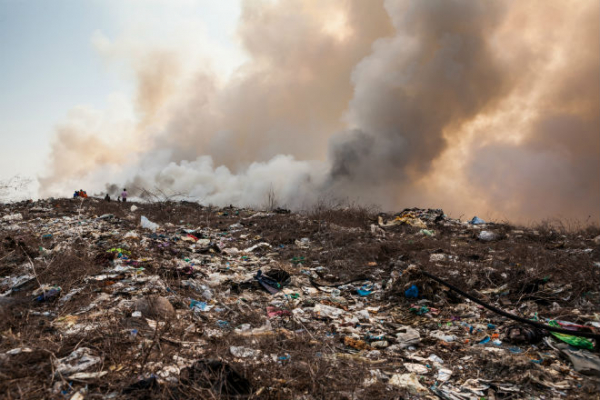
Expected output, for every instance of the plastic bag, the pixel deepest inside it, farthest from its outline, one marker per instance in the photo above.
(576, 341)
(147, 224)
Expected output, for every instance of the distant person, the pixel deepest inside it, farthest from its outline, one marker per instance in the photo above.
(76, 194)
(107, 197)
(124, 195)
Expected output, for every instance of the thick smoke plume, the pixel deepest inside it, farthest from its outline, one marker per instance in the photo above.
(490, 108)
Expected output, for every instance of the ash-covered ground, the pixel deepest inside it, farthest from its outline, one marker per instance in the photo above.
(331, 303)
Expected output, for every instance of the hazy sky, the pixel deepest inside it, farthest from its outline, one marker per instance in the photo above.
(488, 108)
(51, 60)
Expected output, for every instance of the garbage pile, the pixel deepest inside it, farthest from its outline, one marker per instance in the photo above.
(176, 300)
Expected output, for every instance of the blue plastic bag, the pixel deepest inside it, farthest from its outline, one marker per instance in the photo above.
(412, 292)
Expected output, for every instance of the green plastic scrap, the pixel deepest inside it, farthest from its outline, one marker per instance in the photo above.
(119, 250)
(419, 311)
(576, 341)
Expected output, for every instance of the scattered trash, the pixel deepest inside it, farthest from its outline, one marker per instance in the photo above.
(273, 281)
(437, 257)
(131, 235)
(583, 361)
(575, 341)
(79, 360)
(487, 236)
(119, 251)
(356, 343)
(18, 350)
(257, 246)
(87, 375)
(12, 217)
(199, 306)
(273, 312)
(422, 310)
(147, 224)
(405, 218)
(325, 311)
(443, 374)
(523, 334)
(416, 368)
(364, 291)
(485, 340)
(126, 308)
(407, 336)
(477, 221)
(412, 292)
(244, 352)
(46, 293)
(303, 243)
(442, 336)
(435, 359)
(409, 382)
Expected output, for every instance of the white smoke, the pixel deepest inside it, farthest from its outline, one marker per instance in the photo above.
(454, 104)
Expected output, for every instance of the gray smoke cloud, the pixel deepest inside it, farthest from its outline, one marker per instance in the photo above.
(555, 168)
(471, 106)
(436, 72)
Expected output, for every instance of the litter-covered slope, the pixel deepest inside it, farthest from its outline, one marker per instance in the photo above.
(202, 302)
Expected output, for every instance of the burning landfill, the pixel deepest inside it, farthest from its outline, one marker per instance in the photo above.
(484, 107)
(176, 300)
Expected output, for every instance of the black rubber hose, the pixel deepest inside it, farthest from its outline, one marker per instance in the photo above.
(590, 335)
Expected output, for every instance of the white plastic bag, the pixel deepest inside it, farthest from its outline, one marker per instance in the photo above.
(487, 236)
(147, 224)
